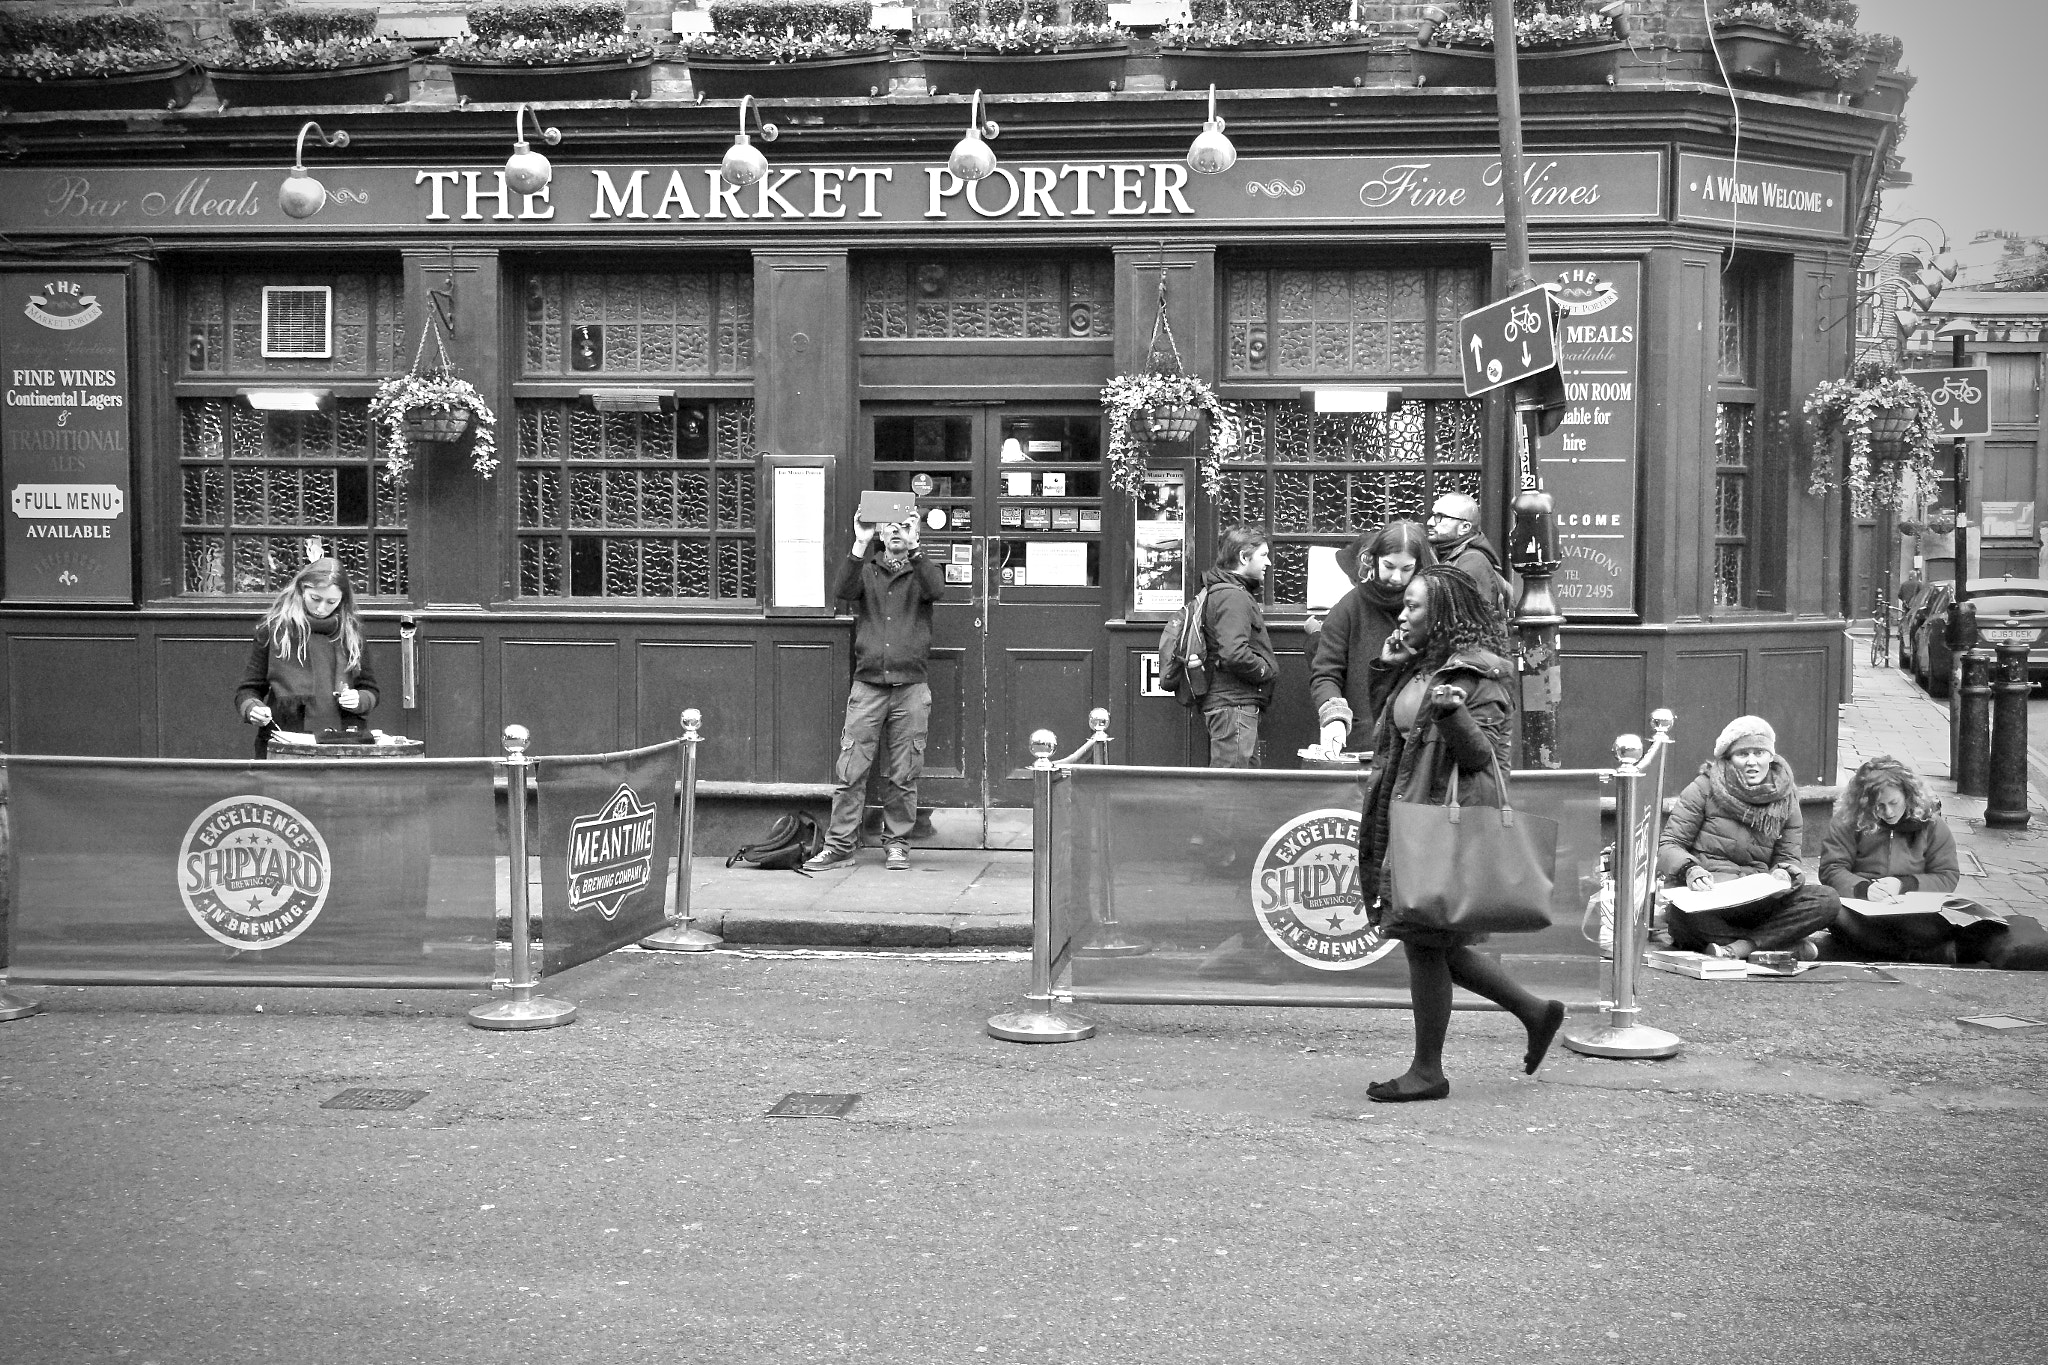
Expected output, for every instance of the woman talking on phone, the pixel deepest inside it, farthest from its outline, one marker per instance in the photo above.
(307, 670)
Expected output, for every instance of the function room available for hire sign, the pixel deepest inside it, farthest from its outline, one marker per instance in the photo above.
(1588, 465)
(64, 435)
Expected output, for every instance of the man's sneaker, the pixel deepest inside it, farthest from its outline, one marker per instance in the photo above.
(897, 859)
(829, 857)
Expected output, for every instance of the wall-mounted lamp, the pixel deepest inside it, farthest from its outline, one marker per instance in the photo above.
(526, 170)
(972, 159)
(1357, 398)
(301, 195)
(287, 400)
(629, 400)
(1614, 11)
(1211, 152)
(743, 163)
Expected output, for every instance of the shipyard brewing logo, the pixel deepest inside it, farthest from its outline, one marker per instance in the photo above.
(63, 306)
(1305, 890)
(611, 853)
(254, 872)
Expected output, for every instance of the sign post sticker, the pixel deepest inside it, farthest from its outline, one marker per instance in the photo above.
(1507, 341)
(1963, 397)
(253, 872)
(1306, 895)
(611, 853)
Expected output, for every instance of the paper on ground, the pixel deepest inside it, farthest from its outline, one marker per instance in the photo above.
(1955, 909)
(1725, 895)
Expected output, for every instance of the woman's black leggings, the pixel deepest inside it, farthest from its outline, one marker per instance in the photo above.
(1431, 974)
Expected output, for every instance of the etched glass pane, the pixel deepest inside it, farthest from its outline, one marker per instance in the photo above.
(1728, 575)
(1730, 492)
(1288, 578)
(1003, 297)
(1290, 502)
(222, 322)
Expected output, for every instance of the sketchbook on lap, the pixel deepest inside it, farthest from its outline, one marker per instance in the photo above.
(1726, 895)
(1957, 910)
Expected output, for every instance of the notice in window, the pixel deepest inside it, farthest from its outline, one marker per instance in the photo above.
(1056, 563)
(800, 536)
(1326, 581)
(1588, 465)
(1159, 550)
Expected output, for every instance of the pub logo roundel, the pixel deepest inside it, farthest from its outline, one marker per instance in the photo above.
(253, 872)
(1305, 892)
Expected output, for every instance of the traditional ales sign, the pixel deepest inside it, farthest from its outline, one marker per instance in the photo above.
(64, 433)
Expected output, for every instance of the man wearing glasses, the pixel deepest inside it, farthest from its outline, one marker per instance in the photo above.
(892, 587)
(1455, 536)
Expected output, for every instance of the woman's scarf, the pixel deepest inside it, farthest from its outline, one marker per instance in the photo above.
(1380, 595)
(1764, 808)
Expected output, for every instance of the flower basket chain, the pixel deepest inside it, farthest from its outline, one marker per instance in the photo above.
(1151, 412)
(433, 408)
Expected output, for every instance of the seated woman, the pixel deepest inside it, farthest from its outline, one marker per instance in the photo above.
(1739, 817)
(1888, 838)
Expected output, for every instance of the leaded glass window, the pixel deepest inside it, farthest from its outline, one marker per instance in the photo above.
(1734, 452)
(999, 298)
(695, 324)
(263, 493)
(1322, 478)
(223, 324)
(637, 505)
(1328, 323)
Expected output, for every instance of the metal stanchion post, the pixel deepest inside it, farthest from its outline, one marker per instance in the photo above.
(1110, 940)
(682, 934)
(1039, 1022)
(1621, 1035)
(521, 1009)
(2007, 807)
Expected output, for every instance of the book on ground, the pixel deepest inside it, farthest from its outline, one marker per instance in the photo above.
(1703, 966)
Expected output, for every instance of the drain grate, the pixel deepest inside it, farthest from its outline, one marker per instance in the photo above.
(374, 1099)
(813, 1106)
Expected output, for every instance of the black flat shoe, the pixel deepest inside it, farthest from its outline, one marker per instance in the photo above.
(1394, 1092)
(1541, 1036)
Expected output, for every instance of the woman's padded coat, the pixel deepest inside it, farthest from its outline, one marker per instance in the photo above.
(1342, 681)
(1920, 853)
(1698, 831)
(1471, 740)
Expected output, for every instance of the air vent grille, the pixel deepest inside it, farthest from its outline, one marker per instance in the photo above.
(298, 322)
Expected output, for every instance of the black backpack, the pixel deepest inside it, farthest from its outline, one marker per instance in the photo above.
(793, 840)
(1184, 652)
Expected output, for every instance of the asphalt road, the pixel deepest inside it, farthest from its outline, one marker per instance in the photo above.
(1830, 1173)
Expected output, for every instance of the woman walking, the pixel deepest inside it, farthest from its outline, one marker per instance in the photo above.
(1342, 679)
(307, 670)
(1448, 712)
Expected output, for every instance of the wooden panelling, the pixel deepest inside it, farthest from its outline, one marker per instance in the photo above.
(76, 694)
(1290, 721)
(453, 718)
(1150, 731)
(1792, 689)
(718, 678)
(1707, 691)
(569, 689)
(945, 746)
(1048, 689)
(1602, 692)
(808, 690)
(802, 319)
(196, 677)
(965, 367)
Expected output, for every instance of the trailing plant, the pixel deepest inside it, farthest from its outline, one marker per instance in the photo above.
(548, 34)
(1003, 13)
(787, 31)
(1268, 23)
(1537, 26)
(277, 38)
(1825, 28)
(439, 387)
(95, 43)
(1129, 402)
(1023, 37)
(1890, 425)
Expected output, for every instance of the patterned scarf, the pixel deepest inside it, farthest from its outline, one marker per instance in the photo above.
(1764, 808)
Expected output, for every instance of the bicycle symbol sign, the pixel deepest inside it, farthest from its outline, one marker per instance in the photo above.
(1961, 395)
(1507, 341)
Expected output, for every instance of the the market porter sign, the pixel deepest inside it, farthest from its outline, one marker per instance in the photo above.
(64, 435)
(1113, 196)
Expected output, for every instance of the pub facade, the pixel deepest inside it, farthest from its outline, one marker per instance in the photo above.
(693, 383)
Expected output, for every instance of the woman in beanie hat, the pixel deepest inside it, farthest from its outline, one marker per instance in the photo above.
(1739, 817)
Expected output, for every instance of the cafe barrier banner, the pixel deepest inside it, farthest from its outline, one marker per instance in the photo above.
(607, 839)
(175, 872)
(1197, 885)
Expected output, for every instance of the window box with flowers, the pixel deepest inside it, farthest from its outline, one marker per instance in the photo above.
(1803, 46)
(1555, 44)
(789, 49)
(1160, 414)
(1889, 425)
(1274, 45)
(555, 50)
(114, 59)
(1024, 47)
(290, 56)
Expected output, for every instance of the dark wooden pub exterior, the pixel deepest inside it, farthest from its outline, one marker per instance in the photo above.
(862, 320)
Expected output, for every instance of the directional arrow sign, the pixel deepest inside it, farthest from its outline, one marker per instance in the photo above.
(1506, 341)
(1964, 397)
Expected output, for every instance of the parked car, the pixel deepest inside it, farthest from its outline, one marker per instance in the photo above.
(1995, 600)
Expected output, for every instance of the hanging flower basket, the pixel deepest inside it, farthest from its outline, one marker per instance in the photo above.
(444, 426)
(1891, 433)
(1173, 423)
(435, 408)
(1149, 413)
(1890, 424)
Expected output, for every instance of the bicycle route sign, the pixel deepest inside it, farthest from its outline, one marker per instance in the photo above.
(1964, 397)
(1506, 341)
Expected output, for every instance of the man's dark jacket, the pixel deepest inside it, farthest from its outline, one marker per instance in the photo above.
(1476, 558)
(1242, 652)
(892, 628)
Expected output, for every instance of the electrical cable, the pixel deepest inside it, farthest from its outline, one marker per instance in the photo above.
(1735, 224)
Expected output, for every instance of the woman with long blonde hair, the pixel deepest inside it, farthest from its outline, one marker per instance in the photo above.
(307, 670)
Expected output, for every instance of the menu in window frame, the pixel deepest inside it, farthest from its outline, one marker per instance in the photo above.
(1588, 465)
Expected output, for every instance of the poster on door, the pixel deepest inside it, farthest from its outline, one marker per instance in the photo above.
(1588, 465)
(1159, 554)
(64, 435)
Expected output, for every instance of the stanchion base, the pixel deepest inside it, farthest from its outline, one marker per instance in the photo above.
(1116, 945)
(538, 1012)
(13, 1008)
(1040, 1026)
(1634, 1041)
(681, 938)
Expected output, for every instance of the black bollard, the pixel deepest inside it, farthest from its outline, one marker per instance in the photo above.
(1973, 725)
(2007, 808)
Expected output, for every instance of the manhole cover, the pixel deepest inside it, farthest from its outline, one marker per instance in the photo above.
(812, 1106)
(375, 1099)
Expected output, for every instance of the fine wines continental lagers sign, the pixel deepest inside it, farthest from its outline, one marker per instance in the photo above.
(64, 436)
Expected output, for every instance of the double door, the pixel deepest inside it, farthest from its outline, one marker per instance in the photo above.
(1011, 498)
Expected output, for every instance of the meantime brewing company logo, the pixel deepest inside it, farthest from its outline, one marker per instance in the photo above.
(611, 853)
(254, 872)
(1306, 894)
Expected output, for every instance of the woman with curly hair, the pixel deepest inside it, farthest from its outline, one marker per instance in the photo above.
(1740, 817)
(1448, 711)
(1888, 838)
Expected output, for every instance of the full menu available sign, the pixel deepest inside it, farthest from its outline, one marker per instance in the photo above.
(1588, 465)
(64, 436)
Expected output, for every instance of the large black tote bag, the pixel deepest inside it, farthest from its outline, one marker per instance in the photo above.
(1468, 869)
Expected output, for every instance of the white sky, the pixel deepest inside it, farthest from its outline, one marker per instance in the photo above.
(1975, 121)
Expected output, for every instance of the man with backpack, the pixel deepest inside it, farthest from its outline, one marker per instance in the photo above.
(892, 587)
(1239, 653)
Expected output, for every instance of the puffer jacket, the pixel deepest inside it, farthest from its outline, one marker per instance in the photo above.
(1920, 853)
(1239, 648)
(1699, 831)
(1472, 738)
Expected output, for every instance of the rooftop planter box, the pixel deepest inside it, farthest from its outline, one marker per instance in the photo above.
(111, 59)
(1888, 95)
(308, 56)
(1023, 47)
(1551, 48)
(557, 50)
(1802, 47)
(789, 49)
(1273, 45)
(845, 75)
(169, 85)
